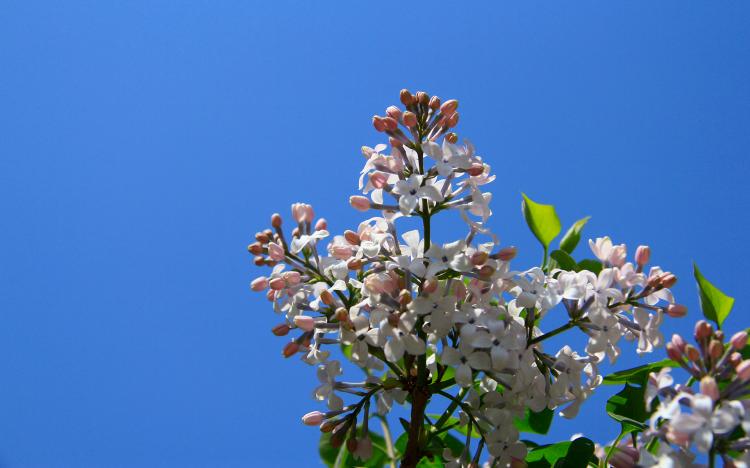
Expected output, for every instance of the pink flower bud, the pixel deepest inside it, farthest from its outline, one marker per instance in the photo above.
(394, 112)
(351, 237)
(321, 225)
(259, 284)
(703, 330)
(271, 295)
(678, 342)
(280, 329)
(507, 254)
(359, 202)
(692, 353)
(390, 123)
(739, 340)
(642, 255)
(290, 349)
(434, 103)
(277, 284)
(276, 220)
(743, 370)
(378, 123)
(291, 277)
(668, 280)
(395, 142)
(715, 349)
(676, 310)
(449, 107)
(275, 251)
(475, 170)
(379, 179)
(423, 97)
(305, 322)
(479, 258)
(452, 120)
(406, 97)
(313, 418)
(409, 119)
(673, 352)
(709, 388)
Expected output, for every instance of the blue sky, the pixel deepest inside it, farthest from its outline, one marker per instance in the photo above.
(143, 143)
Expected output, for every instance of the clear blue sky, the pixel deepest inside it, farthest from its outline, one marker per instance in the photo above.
(143, 143)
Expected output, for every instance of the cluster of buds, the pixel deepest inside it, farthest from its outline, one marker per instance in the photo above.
(421, 318)
(424, 116)
(707, 411)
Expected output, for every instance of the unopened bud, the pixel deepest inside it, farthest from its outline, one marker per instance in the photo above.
(396, 143)
(715, 349)
(321, 225)
(673, 352)
(406, 97)
(277, 284)
(676, 310)
(449, 107)
(739, 340)
(479, 258)
(290, 349)
(434, 103)
(668, 280)
(423, 98)
(259, 261)
(351, 237)
(359, 202)
(451, 138)
(261, 237)
(291, 277)
(475, 170)
(410, 119)
(394, 112)
(486, 271)
(703, 330)
(507, 254)
(743, 370)
(391, 124)
(276, 220)
(313, 418)
(354, 264)
(678, 341)
(692, 353)
(259, 284)
(351, 445)
(271, 295)
(719, 335)
(342, 315)
(329, 425)
(378, 123)
(255, 248)
(452, 120)
(326, 297)
(281, 329)
(642, 255)
(304, 322)
(734, 359)
(430, 285)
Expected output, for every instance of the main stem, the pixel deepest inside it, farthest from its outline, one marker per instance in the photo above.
(420, 390)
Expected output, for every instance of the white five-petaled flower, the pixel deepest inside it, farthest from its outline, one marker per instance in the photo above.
(411, 191)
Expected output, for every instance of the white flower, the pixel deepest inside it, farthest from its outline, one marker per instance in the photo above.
(447, 256)
(464, 359)
(448, 158)
(704, 421)
(299, 243)
(327, 374)
(411, 191)
(401, 339)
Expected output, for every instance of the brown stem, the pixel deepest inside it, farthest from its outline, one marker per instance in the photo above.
(420, 395)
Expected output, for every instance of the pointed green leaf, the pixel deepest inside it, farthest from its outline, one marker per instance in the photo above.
(572, 454)
(573, 235)
(535, 422)
(591, 265)
(542, 220)
(715, 304)
(629, 408)
(563, 260)
(637, 375)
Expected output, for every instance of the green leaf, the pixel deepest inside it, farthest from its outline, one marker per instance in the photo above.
(535, 422)
(460, 429)
(573, 235)
(715, 304)
(569, 454)
(328, 453)
(564, 260)
(594, 266)
(542, 220)
(629, 408)
(637, 375)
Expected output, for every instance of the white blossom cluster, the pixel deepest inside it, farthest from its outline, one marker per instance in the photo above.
(710, 414)
(418, 316)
